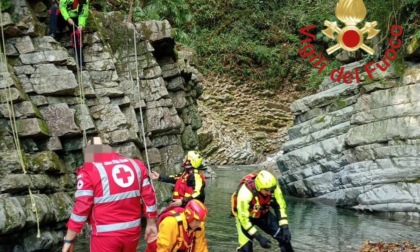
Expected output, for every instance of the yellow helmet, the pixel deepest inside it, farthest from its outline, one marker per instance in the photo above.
(265, 180)
(194, 158)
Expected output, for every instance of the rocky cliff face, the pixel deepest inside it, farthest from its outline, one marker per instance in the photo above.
(54, 105)
(358, 146)
(242, 123)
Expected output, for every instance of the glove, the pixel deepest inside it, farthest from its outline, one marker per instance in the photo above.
(283, 234)
(264, 242)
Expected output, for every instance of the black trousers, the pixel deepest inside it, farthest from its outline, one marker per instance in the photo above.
(58, 24)
(269, 225)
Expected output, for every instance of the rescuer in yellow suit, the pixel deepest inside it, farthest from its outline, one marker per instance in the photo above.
(251, 204)
(183, 230)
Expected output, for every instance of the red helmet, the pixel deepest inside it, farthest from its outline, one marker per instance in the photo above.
(195, 209)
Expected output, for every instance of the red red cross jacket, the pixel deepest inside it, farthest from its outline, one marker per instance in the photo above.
(111, 194)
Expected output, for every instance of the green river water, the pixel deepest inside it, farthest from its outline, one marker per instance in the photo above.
(315, 227)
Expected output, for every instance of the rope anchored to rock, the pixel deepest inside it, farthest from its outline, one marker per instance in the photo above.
(77, 43)
(13, 126)
(139, 96)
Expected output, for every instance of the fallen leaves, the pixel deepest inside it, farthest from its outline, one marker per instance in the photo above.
(369, 246)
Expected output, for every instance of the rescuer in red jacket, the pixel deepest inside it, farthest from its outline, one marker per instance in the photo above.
(189, 184)
(112, 193)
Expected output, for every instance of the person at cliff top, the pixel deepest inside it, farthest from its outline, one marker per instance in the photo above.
(189, 184)
(251, 207)
(112, 193)
(75, 14)
(183, 229)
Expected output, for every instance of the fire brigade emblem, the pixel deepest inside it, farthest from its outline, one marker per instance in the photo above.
(123, 175)
(350, 37)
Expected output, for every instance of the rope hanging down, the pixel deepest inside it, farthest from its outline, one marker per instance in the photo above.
(79, 74)
(13, 126)
(139, 96)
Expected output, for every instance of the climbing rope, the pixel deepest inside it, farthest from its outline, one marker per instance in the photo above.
(82, 97)
(139, 96)
(13, 126)
(34, 209)
(9, 99)
(132, 81)
(79, 75)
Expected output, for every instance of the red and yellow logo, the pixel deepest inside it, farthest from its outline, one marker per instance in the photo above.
(350, 37)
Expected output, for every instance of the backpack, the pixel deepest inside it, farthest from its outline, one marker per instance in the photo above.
(152, 245)
(175, 212)
(247, 180)
(171, 211)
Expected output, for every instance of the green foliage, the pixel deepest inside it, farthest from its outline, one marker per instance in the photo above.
(108, 6)
(114, 31)
(177, 12)
(141, 14)
(255, 40)
(258, 41)
(315, 79)
(5, 5)
(395, 12)
(400, 65)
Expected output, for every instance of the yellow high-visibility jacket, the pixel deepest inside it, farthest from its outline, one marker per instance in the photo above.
(67, 11)
(248, 202)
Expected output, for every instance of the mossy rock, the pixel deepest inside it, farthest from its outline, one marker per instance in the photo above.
(114, 30)
(204, 139)
(47, 161)
(320, 119)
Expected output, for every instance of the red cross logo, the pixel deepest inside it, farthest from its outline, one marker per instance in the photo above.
(123, 175)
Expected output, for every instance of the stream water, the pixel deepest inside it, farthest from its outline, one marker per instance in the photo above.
(314, 227)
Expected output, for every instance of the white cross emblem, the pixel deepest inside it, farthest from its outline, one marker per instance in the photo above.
(123, 175)
(79, 184)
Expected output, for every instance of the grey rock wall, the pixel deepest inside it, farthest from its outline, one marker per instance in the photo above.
(40, 78)
(358, 146)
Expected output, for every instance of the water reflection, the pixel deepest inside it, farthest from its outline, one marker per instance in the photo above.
(314, 227)
(326, 228)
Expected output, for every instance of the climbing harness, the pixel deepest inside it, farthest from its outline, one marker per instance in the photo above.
(9, 98)
(182, 234)
(247, 181)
